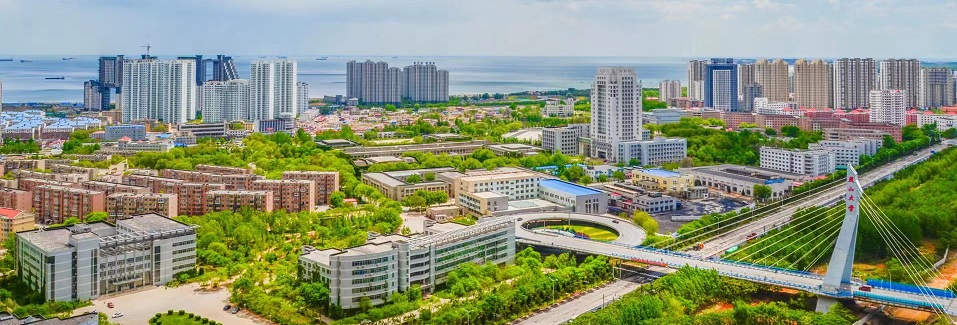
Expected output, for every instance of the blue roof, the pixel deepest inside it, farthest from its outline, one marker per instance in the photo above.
(567, 187)
(661, 172)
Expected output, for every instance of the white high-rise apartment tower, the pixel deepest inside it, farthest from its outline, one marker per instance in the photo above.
(423, 82)
(936, 88)
(272, 86)
(853, 80)
(302, 93)
(812, 84)
(615, 111)
(696, 75)
(668, 90)
(160, 90)
(373, 82)
(226, 101)
(773, 78)
(902, 74)
(888, 106)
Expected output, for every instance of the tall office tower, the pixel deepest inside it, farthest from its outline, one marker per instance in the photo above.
(812, 83)
(888, 106)
(615, 111)
(95, 96)
(748, 94)
(853, 80)
(161, 90)
(669, 89)
(423, 82)
(745, 77)
(773, 78)
(373, 82)
(224, 68)
(902, 74)
(272, 86)
(226, 101)
(696, 74)
(936, 88)
(302, 96)
(721, 85)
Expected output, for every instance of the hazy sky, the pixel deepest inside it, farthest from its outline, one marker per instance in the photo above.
(674, 28)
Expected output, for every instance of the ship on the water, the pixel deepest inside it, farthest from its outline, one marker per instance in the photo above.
(25, 61)
(323, 58)
(6, 60)
(54, 78)
(67, 59)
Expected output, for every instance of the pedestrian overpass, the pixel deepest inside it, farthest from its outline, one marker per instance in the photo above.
(836, 284)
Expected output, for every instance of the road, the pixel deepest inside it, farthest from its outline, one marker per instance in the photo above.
(723, 242)
(141, 305)
(584, 303)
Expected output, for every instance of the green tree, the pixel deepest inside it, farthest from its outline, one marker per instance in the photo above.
(315, 294)
(365, 304)
(586, 180)
(790, 131)
(414, 178)
(770, 132)
(430, 176)
(619, 175)
(762, 192)
(337, 199)
(602, 178)
(646, 221)
(390, 108)
(95, 216)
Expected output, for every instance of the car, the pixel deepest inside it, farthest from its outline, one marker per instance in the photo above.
(614, 221)
(117, 315)
(235, 310)
(95, 311)
(227, 307)
(109, 304)
(865, 288)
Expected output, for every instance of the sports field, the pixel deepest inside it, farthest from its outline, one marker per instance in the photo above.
(593, 233)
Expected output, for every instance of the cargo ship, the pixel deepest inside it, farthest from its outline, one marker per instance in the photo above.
(54, 78)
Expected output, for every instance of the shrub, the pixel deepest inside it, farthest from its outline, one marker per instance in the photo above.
(169, 312)
(182, 312)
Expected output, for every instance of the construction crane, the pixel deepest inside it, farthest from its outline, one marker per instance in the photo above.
(147, 46)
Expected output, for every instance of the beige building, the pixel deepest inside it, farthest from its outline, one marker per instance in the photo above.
(326, 182)
(513, 183)
(662, 180)
(812, 84)
(124, 205)
(237, 200)
(15, 199)
(394, 185)
(773, 78)
(290, 195)
(13, 221)
(53, 204)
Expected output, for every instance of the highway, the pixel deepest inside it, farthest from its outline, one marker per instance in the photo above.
(720, 243)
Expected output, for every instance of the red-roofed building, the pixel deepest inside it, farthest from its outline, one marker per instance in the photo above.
(893, 130)
(13, 221)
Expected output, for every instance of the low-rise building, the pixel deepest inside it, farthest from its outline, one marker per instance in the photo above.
(222, 169)
(579, 198)
(191, 197)
(30, 184)
(132, 131)
(85, 261)
(54, 204)
(564, 139)
(662, 180)
(451, 148)
(395, 186)
(234, 201)
(389, 264)
(156, 184)
(741, 179)
(843, 134)
(16, 199)
(124, 205)
(13, 221)
(290, 195)
(804, 162)
(514, 149)
(59, 177)
(111, 188)
(849, 152)
(653, 152)
(629, 198)
(513, 183)
(326, 182)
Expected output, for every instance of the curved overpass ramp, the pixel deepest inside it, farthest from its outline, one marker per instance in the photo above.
(629, 234)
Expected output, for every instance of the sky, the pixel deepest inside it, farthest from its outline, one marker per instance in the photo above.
(639, 28)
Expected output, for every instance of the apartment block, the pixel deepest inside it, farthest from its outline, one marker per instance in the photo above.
(773, 78)
(191, 196)
(16, 199)
(853, 79)
(237, 200)
(803, 162)
(813, 83)
(903, 75)
(53, 204)
(70, 178)
(889, 106)
(29, 184)
(125, 205)
(13, 221)
(112, 188)
(849, 152)
(156, 184)
(936, 88)
(326, 182)
(84, 261)
(234, 182)
(222, 169)
(290, 195)
(669, 89)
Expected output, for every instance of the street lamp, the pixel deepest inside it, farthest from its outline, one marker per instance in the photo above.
(553, 287)
(468, 317)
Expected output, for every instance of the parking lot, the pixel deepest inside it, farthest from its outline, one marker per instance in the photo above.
(139, 306)
(695, 208)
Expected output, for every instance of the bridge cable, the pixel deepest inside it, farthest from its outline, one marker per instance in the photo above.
(753, 215)
(900, 234)
(831, 230)
(813, 218)
(819, 256)
(897, 249)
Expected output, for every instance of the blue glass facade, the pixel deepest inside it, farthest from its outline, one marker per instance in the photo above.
(721, 84)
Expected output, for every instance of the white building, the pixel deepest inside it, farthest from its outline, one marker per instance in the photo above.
(226, 101)
(273, 89)
(579, 198)
(888, 106)
(389, 264)
(564, 139)
(302, 96)
(669, 89)
(615, 111)
(160, 90)
(901, 74)
(803, 162)
(654, 152)
(84, 261)
(696, 74)
(853, 79)
(373, 82)
(848, 152)
(943, 121)
(423, 82)
(763, 105)
(560, 107)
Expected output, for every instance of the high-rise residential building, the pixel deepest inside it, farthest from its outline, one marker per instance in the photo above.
(423, 82)
(902, 74)
(696, 75)
(721, 85)
(111, 71)
(95, 96)
(1, 93)
(936, 88)
(160, 90)
(748, 94)
(302, 96)
(853, 81)
(223, 68)
(813, 83)
(745, 77)
(773, 78)
(200, 65)
(373, 82)
(669, 89)
(888, 106)
(615, 111)
(272, 87)
(226, 101)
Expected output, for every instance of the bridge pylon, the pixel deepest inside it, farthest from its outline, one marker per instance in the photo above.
(838, 276)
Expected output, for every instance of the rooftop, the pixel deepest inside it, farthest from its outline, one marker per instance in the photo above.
(659, 172)
(151, 222)
(53, 239)
(442, 227)
(9, 213)
(567, 187)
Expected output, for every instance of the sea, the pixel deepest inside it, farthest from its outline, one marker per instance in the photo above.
(24, 82)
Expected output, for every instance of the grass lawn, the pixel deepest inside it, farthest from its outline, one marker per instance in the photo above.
(176, 319)
(592, 232)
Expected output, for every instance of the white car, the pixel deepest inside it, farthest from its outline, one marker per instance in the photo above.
(117, 315)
